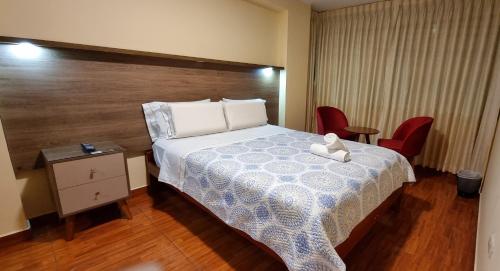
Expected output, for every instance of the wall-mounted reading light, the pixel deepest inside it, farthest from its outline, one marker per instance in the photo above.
(25, 50)
(267, 72)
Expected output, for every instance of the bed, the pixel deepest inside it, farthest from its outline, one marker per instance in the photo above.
(306, 210)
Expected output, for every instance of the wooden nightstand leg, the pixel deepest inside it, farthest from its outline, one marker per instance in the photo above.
(70, 227)
(124, 209)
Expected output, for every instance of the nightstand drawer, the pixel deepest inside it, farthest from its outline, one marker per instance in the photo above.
(81, 197)
(77, 172)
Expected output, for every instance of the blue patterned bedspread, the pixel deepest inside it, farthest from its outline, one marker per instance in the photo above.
(298, 204)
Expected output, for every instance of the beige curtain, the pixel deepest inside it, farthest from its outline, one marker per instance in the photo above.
(385, 62)
(489, 120)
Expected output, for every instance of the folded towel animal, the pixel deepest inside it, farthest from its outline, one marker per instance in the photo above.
(333, 142)
(334, 149)
(323, 151)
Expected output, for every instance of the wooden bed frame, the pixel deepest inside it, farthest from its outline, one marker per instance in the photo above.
(343, 249)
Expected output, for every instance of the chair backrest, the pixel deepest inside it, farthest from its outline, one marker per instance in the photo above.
(329, 119)
(413, 132)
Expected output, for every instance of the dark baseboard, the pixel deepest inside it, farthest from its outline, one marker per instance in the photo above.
(139, 191)
(15, 238)
(46, 219)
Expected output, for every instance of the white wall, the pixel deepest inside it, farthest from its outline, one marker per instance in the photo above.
(273, 32)
(489, 212)
(489, 203)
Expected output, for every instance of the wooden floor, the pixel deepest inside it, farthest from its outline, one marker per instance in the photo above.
(434, 230)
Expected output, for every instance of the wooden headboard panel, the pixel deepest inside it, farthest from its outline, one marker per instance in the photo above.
(65, 96)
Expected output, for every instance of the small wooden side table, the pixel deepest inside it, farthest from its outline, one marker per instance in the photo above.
(363, 131)
(81, 181)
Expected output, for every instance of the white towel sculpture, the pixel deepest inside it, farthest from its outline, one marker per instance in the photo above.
(334, 149)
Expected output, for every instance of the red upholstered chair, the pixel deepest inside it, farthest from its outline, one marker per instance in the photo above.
(333, 120)
(410, 137)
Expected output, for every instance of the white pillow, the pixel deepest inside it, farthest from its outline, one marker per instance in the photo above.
(158, 119)
(245, 114)
(150, 110)
(194, 119)
(247, 100)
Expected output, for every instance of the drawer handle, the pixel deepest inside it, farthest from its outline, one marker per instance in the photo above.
(92, 172)
(96, 195)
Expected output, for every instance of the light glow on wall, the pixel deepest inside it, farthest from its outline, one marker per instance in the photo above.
(25, 50)
(282, 99)
(267, 72)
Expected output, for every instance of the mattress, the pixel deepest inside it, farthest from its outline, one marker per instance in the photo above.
(265, 182)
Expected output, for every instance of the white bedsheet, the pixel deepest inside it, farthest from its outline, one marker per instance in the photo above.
(170, 154)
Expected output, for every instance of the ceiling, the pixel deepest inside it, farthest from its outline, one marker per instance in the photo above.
(322, 5)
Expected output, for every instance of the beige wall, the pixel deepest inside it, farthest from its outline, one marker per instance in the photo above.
(295, 25)
(269, 32)
(296, 63)
(216, 29)
(12, 218)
